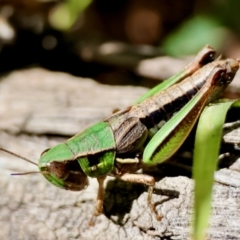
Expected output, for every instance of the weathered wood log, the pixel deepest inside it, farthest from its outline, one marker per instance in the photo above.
(36, 106)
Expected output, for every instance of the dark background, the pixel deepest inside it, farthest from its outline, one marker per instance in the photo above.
(72, 35)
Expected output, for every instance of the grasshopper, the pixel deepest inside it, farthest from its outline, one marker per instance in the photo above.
(145, 134)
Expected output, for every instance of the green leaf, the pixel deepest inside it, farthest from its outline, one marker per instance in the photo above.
(206, 151)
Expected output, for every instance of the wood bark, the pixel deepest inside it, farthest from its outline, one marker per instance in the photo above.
(39, 109)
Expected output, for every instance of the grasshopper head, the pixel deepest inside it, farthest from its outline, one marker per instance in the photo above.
(58, 167)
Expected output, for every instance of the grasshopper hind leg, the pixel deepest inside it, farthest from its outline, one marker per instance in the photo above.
(147, 180)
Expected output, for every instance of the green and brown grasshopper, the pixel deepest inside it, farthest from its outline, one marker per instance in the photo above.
(147, 133)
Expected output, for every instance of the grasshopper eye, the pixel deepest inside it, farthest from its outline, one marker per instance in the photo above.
(60, 170)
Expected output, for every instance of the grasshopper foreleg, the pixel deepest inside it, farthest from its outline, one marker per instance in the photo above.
(147, 180)
(98, 209)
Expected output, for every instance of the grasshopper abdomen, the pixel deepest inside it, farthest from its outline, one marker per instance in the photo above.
(146, 118)
(163, 105)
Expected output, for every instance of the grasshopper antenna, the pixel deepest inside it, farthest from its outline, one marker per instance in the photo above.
(25, 173)
(23, 158)
(16, 155)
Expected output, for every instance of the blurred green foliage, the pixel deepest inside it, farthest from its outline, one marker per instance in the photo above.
(193, 34)
(65, 14)
(213, 24)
